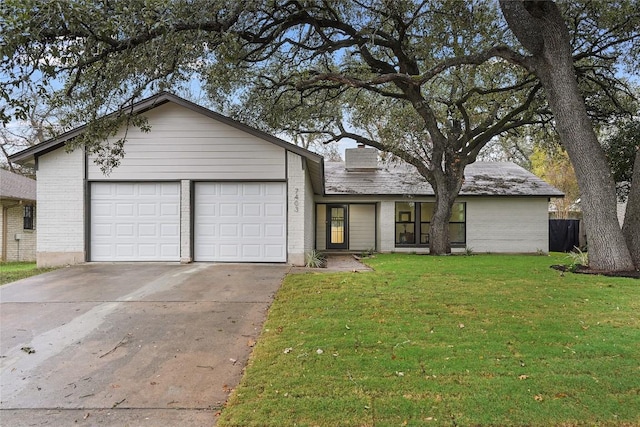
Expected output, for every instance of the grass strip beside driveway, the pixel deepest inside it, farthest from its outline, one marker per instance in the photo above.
(12, 271)
(459, 340)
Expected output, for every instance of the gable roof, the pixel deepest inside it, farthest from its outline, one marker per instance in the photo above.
(480, 179)
(314, 161)
(16, 187)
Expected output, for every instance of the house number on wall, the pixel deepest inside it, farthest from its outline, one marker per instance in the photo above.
(296, 200)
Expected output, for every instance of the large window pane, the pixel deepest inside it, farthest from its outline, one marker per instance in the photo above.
(337, 225)
(405, 223)
(424, 233)
(457, 212)
(405, 212)
(413, 222)
(426, 212)
(405, 234)
(456, 233)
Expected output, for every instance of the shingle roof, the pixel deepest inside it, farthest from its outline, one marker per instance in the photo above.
(481, 179)
(14, 186)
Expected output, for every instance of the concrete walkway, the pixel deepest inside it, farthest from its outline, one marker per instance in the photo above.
(336, 263)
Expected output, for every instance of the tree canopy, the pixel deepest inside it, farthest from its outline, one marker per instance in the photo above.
(430, 82)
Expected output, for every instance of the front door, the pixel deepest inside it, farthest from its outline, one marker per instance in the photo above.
(337, 233)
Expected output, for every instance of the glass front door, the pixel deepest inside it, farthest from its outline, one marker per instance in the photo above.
(337, 236)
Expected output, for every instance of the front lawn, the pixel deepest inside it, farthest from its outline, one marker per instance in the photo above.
(12, 271)
(460, 340)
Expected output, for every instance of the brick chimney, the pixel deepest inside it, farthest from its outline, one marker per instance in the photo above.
(361, 159)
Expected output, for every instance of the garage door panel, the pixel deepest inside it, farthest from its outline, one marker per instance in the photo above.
(274, 230)
(273, 210)
(228, 251)
(135, 221)
(251, 251)
(251, 190)
(251, 209)
(123, 189)
(124, 230)
(169, 209)
(229, 190)
(169, 230)
(229, 231)
(236, 222)
(251, 231)
(229, 209)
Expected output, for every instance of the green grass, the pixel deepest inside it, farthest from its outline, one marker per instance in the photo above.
(478, 340)
(12, 271)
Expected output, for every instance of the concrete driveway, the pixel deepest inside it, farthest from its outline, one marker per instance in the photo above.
(129, 344)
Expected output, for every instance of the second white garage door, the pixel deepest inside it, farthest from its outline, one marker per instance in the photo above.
(240, 222)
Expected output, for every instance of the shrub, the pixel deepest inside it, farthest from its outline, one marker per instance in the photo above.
(315, 259)
(578, 259)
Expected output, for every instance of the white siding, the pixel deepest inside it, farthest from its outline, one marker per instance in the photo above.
(60, 210)
(184, 144)
(507, 224)
(362, 227)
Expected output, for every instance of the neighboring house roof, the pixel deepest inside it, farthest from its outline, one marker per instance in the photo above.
(314, 161)
(16, 187)
(480, 179)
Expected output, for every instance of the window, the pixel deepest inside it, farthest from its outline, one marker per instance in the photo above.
(29, 211)
(405, 223)
(414, 219)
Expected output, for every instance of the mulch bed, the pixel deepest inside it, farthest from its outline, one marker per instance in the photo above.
(580, 269)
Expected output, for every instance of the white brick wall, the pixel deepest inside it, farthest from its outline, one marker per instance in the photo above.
(298, 210)
(60, 210)
(387, 226)
(507, 224)
(309, 216)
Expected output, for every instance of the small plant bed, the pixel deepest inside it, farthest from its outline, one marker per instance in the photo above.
(581, 269)
(12, 271)
(481, 340)
(579, 263)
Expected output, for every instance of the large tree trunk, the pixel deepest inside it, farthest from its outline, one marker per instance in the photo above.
(446, 186)
(540, 28)
(439, 241)
(631, 228)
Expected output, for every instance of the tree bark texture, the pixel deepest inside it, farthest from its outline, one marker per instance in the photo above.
(540, 28)
(631, 227)
(446, 189)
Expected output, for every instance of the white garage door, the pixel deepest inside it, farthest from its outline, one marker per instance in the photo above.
(135, 221)
(240, 222)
